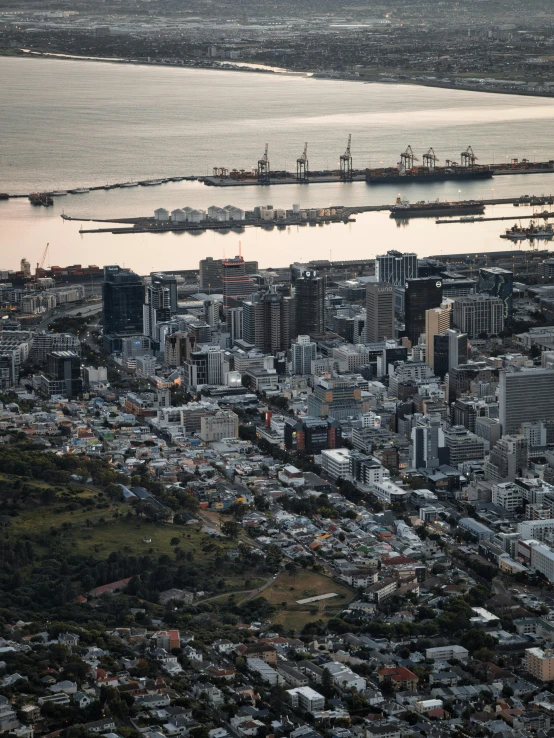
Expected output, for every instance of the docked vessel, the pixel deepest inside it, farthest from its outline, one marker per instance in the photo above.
(129, 184)
(59, 193)
(79, 191)
(151, 182)
(424, 174)
(41, 198)
(405, 209)
(518, 233)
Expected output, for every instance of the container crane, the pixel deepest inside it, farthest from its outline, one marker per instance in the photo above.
(41, 265)
(407, 159)
(302, 170)
(430, 159)
(346, 162)
(263, 167)
(468, 158)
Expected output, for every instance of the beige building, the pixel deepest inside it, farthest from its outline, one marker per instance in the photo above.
(437, 322)
(540, 663)
(379, 311)
(224, 424)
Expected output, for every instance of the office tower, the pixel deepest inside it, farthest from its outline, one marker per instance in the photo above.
(211, 312)
(237, 285)
(206, 365)
(379, 312)
(395, 267)
(303, 352)
(268, 320)
(457, 348)
(211, 273)
(507, 460)
(498, 283)
(462, 377)
(478, 315)
(309, 293)
(422, 294)
(63, 375)
(437, 322)
(235, 323)
(160, 303)
(178, 347)
(425, 442)
(122, 300)
(312, 435)
(462, 445)
(336, 398)
(524, 397)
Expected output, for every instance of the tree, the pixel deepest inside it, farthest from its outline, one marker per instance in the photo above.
(230, 528)
(292, 569)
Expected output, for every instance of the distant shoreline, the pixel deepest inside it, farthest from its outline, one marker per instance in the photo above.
(229, 66)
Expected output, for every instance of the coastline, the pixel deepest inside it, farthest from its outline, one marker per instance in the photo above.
(228, 66)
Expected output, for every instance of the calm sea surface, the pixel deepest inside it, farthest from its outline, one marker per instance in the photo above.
(71, 123)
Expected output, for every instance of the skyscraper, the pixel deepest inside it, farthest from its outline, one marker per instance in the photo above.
(303, 352)
(395, 267)
(380, 312)
(525, 396)
(310, 304)
(422, 294)
(437, 322)
(211, 273)
(160, 303)
(457, 348)
(237, 285)
(498, 283)
(122, 298)
(64, 374)
(268, 321)
(478, 314)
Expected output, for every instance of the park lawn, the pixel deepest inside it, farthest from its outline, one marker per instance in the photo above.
(288, 589)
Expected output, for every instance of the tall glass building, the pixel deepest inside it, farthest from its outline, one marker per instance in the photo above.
(498, 283)
(123, 297)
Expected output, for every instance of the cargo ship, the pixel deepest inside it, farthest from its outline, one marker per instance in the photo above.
(405, 209)
(517, 233)
(423, 174)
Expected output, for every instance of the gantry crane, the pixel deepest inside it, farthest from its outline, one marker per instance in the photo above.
(263, 167)
(468, 158)
(302, 170)
(346, 162)
(430, 159)
(407, 159)
(40, 266)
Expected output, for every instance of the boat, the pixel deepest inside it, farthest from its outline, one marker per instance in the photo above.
(151, 182)
(424, 174)
(518, 233)
(41, 198)
(79, 191)
(59, 193)
(467, 219)
(129, 184)
(4, 196)
(405, 209)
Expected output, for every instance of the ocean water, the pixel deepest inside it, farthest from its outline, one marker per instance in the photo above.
(69, 123)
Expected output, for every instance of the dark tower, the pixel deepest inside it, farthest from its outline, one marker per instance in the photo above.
(310, 304)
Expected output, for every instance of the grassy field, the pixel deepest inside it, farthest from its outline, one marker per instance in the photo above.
(287, 589)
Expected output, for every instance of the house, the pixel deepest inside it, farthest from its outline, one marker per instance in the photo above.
(101, 726)
(82, 700)
(64, 686)
(223, 646)
(400, 678)
(383, 730)
(265, 651)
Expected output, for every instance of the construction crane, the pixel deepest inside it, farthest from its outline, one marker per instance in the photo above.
(263, 167)
(468, 158)
(430, 159)
(302, 171)
(407, 159)
(41, 265)
(346, 162)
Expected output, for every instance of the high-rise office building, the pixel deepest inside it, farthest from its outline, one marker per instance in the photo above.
(63, 375)
(524, 397)
(379, 312)
(237, 285)
(336, 398)
(303, 352)
(498, 283)
(122, 300)
(437, 322)
(206, 365)
(235, 323)
(268, 321)
(478, 314)
(211, 273)
(178, 347)
(309, 293)
(458, 348)
(422, 294)
(160, 303)
(507, 460)
(395, 267)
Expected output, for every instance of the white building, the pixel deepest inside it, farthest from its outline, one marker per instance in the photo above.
(336, 462)
(161, 214)
(306, 698)
(224, 424)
